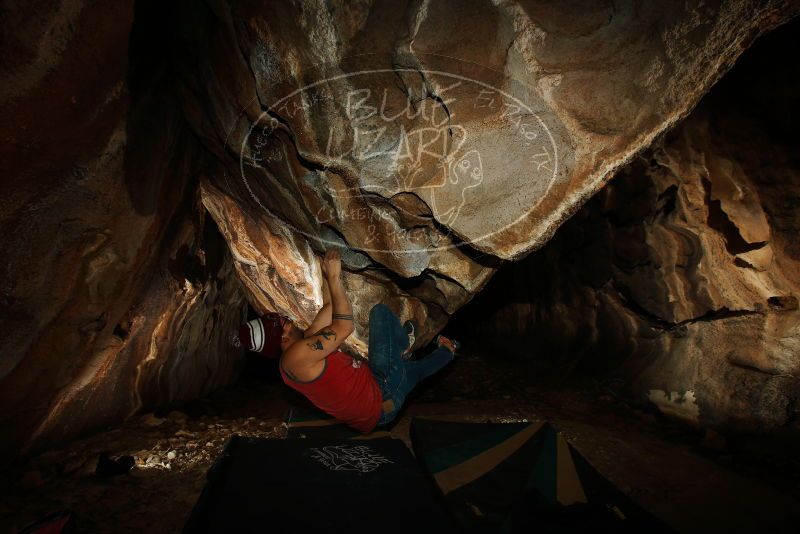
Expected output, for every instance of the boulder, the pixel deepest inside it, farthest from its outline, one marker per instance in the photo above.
(433, 140)
(682, 275)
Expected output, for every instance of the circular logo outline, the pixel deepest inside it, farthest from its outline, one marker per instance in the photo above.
(461, 241)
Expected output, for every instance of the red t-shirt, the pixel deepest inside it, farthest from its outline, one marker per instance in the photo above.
(346, 390)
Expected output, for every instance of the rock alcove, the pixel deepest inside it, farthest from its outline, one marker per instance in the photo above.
(583, 185)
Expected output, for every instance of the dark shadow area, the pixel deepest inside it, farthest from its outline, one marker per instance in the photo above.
(762, 88)
(152, 103)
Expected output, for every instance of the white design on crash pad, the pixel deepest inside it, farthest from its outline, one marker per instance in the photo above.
(349, 458)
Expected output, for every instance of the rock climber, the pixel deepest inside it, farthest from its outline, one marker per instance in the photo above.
(361, 396)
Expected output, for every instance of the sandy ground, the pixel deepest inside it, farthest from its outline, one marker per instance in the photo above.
(692, 481)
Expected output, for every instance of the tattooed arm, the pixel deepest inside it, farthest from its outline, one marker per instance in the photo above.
(342, 312)
(316, 347)
(323, 317)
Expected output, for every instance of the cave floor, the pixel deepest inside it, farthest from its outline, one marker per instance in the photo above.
(693, 483)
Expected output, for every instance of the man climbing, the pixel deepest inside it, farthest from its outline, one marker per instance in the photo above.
(362, 396)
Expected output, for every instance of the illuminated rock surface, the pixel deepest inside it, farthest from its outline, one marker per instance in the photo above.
(117, 291)
(685, 269)
(307, 111)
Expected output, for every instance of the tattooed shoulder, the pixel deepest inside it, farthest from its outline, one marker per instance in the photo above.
(327, 334)
(316, 345)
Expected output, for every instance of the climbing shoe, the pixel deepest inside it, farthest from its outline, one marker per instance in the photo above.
(450, 344)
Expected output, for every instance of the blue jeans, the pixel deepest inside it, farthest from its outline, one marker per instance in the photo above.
(395, 376)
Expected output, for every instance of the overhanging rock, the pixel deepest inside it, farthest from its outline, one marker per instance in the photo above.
(433, 138)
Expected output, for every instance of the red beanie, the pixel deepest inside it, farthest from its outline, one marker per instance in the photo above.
(263, 335)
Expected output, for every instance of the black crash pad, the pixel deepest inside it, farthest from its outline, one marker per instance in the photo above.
(317, 485)
(521, 477)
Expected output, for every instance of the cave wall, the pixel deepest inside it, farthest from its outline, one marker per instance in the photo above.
(149, 190)
(295, 175)
(116, 292)
(682, 275)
